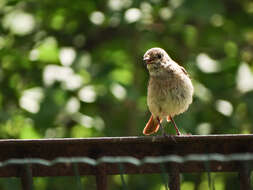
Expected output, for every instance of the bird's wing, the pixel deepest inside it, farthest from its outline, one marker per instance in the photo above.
(184, 71)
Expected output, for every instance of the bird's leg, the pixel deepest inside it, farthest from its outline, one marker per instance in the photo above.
(161, 127)
(175, 125)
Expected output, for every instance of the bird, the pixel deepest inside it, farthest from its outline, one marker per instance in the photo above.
(169, 91)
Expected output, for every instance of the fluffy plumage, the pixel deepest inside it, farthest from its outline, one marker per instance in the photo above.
(170, 89)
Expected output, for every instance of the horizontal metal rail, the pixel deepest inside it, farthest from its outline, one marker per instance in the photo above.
(137, 147)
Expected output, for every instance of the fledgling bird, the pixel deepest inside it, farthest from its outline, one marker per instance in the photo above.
(170, 89)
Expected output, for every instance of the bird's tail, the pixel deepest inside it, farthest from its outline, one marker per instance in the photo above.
(152, 126)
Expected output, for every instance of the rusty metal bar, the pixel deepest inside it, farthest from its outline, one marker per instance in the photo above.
(174, 177)
(138, 147)
(244, 176)
(26, 177)
(101, 178)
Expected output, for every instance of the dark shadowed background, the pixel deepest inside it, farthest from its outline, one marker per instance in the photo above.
(74, 69)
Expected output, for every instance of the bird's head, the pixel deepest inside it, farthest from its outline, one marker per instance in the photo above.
(156, 59)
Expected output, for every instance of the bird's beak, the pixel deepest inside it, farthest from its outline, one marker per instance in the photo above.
(147, 60)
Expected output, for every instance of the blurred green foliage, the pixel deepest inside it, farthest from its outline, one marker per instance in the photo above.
(74, 69)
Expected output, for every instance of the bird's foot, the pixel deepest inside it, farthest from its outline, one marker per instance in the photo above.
(169, 136)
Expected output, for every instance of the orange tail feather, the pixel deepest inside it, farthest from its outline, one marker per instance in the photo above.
(151, 127)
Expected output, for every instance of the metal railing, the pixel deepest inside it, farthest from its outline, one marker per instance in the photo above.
(101, 157)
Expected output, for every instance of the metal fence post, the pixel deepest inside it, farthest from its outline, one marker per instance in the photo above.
(244, 176)
(174, 177)
(101, 178)
(26, 177)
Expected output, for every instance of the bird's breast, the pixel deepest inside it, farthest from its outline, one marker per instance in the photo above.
(170, 96)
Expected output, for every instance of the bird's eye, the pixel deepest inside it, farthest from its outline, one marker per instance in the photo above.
(159, 56)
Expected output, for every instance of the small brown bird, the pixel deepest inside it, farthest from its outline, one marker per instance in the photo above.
(170, 89)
